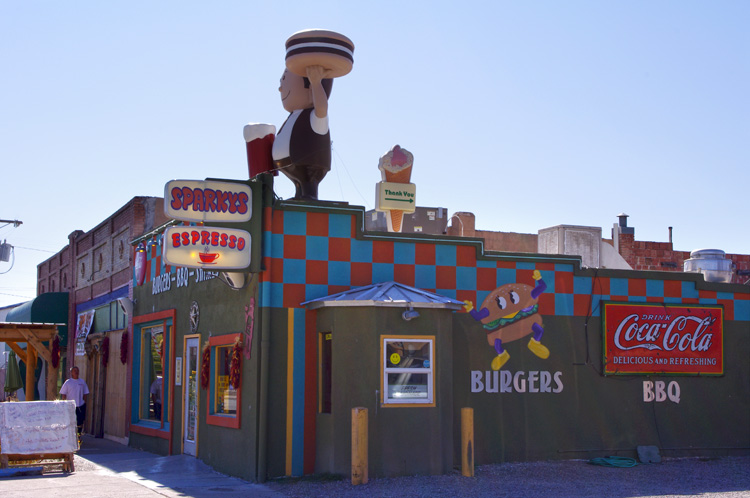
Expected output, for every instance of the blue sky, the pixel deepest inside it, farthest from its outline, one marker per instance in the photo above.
(528, 114)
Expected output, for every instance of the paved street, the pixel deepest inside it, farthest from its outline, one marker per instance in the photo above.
(107, 469)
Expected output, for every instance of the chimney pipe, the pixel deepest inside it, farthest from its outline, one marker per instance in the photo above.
(623, 219)
(670, 235)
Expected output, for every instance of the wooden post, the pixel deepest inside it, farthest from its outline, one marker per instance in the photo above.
(359, 446)
(51, 377)
(30, 367)
(467, 442)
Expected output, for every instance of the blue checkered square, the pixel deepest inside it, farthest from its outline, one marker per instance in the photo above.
(361, 251)
(404, 254)
(295, 223)
(445, 255)
(382, 272)
(655, 288)
(339, 273)
(425, 276)
(618, 286)
(466, 278)
(505, 276)
(339, 225)
(317, 248)
(564, 304)
(294, 271)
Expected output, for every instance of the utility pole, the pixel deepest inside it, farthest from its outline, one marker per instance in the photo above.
(5, 248)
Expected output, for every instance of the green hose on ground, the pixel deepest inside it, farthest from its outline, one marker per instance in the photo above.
(614, 461)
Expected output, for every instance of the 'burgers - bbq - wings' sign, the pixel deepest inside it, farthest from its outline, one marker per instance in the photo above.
(663, 338)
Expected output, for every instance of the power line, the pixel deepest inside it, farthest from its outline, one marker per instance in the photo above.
(35, 249)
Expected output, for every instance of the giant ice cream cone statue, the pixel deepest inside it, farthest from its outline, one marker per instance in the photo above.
(395, 167)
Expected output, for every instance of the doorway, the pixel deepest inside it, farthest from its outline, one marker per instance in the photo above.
(190, 396)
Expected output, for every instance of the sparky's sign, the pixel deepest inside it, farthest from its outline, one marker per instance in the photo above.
(663, 339)
(196, 200)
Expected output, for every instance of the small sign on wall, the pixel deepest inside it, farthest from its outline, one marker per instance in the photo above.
(178, 371)
(663, 338)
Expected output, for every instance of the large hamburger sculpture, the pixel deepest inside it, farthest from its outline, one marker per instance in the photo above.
(302, 148)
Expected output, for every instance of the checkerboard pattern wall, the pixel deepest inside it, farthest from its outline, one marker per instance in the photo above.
(314, 254)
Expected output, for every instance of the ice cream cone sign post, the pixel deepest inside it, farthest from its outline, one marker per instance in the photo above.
(395, 194)
(302, 148)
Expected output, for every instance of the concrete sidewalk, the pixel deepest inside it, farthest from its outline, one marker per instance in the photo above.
(108, 469)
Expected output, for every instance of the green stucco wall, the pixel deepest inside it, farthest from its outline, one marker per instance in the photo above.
(593, 415)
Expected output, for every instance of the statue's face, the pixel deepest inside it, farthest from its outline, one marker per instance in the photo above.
(294, 95)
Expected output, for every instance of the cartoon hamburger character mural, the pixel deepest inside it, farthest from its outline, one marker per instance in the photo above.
(509, 313)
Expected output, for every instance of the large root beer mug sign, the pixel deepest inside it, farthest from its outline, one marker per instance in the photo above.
(302, 148)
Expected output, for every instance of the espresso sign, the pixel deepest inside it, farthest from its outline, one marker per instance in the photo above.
(663, 339)
(207, 247)
(196, 200)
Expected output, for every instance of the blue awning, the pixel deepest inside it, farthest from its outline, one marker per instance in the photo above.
(392, 294)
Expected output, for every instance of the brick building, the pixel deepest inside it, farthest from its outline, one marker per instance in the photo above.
(637, 254)
(94, 273)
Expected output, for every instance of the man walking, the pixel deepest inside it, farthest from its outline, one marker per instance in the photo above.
(76, 390)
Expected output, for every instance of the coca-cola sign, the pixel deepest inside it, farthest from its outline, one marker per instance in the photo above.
(663, 338)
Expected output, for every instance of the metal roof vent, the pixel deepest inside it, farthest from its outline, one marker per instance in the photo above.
(712, 263)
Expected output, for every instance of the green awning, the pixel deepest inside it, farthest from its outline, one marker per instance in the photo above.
(51, 307)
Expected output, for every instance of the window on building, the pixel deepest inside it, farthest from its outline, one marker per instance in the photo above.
(325, 373)
(153, 336)
(224, 398)
(152, 373)
(408, 370)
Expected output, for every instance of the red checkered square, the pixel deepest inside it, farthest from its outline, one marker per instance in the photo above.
(545, 266)
(275, 223)
(486, 279)
(277, 270)
(466, 256)
(445, 277)
(728, 308)
(294, 246)
(547, 304)
(361, 274)
(525, 277)
(637, 287)
(690, 300)
(466, 295)
(335, 289)
(404, 274)
(339, 249)
(424, 254)
(601, 286)
(294, 294)
(511, 265)
(704, 294)
(316, 272)
(618, 298)
(564, 282)
(382, 251)
(581, 304)
(654, 299)
(317, 224)
(672, 288)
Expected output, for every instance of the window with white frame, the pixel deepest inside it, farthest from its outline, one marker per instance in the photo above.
(407, 366)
